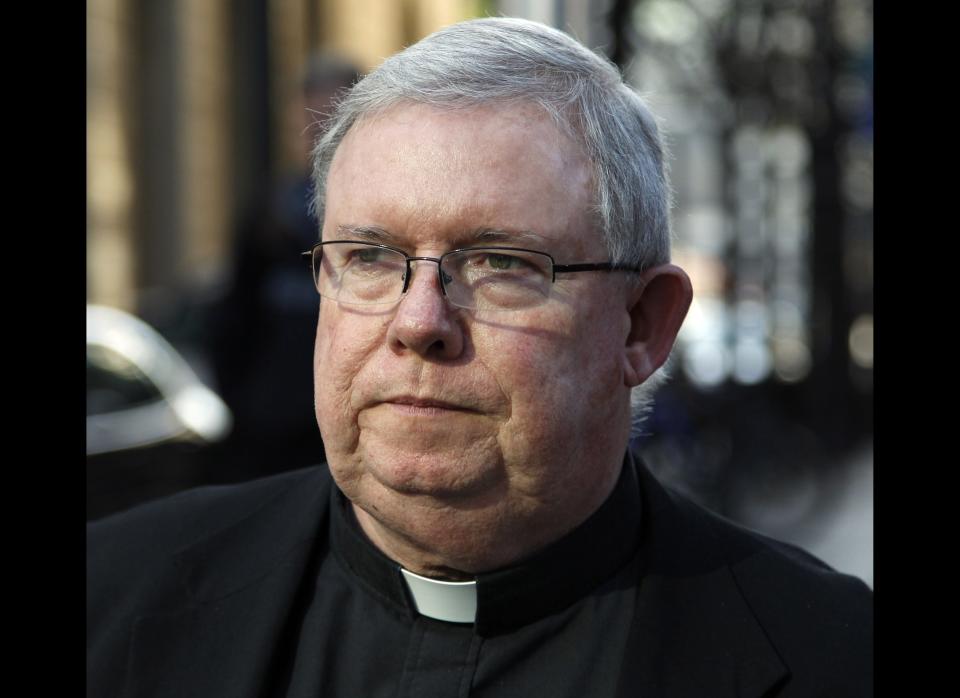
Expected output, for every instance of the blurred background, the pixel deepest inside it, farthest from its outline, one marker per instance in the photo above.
(201, 313)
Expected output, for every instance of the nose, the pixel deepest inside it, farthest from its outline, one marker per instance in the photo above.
(425, 323)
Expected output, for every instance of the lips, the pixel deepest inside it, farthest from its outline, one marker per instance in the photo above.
(425, 393)
(425, 403)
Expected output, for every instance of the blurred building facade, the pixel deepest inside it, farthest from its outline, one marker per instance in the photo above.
(188, 118)
(769, 107)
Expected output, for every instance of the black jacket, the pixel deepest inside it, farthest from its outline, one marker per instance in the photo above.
(189, 596)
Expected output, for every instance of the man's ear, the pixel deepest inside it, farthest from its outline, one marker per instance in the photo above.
(657, 308)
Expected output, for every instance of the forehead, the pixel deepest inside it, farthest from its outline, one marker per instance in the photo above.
(429, 176)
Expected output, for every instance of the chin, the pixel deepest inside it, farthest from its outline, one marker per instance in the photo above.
(457, 534)
(449, 475)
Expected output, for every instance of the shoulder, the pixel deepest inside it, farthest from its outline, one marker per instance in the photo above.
(818, 621)
(178, 520)
(767, 568)
(143, 562)
(131, 552)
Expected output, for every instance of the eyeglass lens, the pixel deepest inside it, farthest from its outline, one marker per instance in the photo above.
(477, 278)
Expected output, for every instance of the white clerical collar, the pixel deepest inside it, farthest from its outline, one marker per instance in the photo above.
(454, 602)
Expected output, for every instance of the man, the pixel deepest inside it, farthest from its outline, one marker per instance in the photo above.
(495, 283)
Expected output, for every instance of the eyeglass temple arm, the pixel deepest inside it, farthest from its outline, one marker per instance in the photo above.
(598, 266)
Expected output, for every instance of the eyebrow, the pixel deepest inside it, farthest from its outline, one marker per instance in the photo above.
(483, 235)
(371, 233)
(506, 235)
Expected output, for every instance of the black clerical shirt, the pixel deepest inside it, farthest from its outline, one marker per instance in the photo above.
(269, 589)
(555, 625)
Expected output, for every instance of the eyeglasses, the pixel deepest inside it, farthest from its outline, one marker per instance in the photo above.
(477, 278)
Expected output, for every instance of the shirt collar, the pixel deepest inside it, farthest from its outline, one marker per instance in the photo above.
(547, 582)
(453, 602)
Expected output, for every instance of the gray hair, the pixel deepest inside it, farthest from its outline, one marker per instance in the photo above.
(504, 60)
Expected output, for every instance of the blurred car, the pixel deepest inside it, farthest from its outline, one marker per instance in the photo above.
(149, 416)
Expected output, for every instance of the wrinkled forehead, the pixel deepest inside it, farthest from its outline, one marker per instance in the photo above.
(498, 166)
(470, 131)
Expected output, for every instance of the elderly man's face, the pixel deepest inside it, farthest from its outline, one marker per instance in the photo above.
(467, 438)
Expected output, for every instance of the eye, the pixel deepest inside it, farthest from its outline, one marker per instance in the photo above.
(504, 262)
(368, 255)
(470, 266)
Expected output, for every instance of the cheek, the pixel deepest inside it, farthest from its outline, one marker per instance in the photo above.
(560, 384)
(343, 348)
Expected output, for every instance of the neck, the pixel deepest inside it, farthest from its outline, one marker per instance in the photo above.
(509, 596)
(444, 543)
(404, 550)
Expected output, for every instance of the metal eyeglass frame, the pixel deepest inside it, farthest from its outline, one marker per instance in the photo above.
(554, 267)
